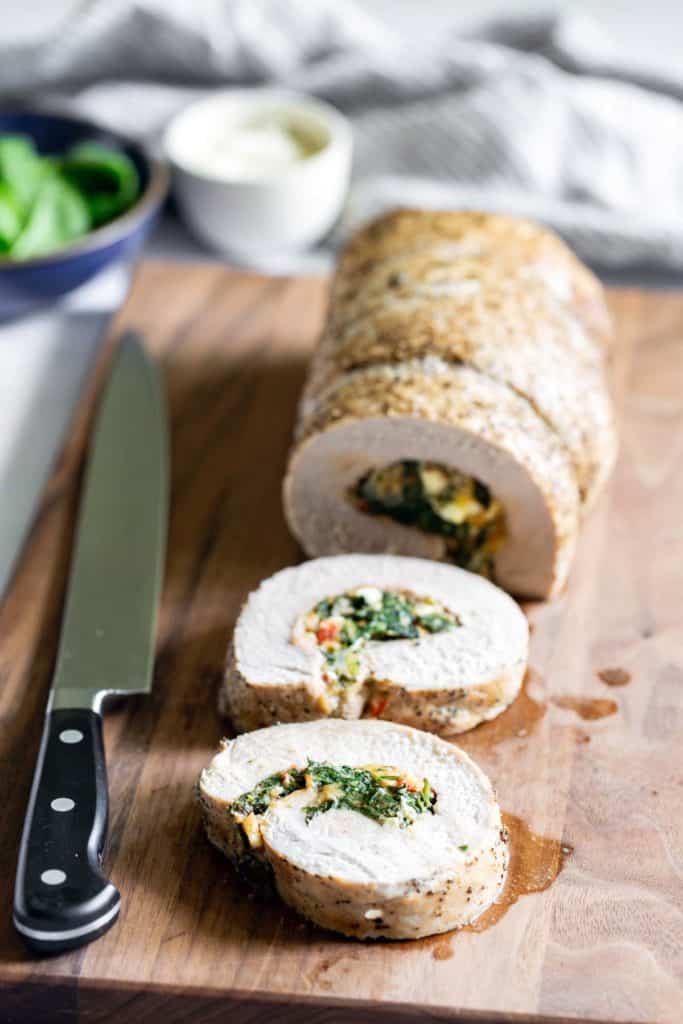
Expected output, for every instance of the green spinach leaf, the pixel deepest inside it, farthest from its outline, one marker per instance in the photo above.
(58, 215)
(11, 216)
(22, 167)
(106, 178)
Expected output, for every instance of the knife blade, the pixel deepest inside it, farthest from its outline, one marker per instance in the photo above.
(62, 899)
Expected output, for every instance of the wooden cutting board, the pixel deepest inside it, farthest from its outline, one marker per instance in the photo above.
(593, 772)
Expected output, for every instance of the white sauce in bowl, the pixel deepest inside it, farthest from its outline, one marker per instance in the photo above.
(257, 146)
(259, 171)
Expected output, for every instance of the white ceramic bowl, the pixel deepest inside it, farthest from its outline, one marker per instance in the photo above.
(249, 215)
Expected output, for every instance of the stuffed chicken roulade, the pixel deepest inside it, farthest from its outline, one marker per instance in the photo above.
(371, 829)
(455, 410)
(375, 636)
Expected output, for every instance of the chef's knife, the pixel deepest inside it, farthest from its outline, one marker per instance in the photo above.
(62, 899)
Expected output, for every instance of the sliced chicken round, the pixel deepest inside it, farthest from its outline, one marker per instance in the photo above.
(404, 639)
(371, 829)
(498, 456)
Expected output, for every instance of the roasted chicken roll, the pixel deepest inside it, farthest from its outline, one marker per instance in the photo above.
(378, 636)
(371, 829)
(440, 461)
(457, 406)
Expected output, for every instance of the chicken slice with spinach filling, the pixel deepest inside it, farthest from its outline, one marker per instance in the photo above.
(341, 626)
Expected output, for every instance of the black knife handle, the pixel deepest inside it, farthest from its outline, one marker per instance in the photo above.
(61, 898)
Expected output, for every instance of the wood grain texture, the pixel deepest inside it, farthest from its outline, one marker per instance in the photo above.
(603, 944)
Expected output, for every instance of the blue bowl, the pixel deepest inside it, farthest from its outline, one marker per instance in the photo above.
(26, 285)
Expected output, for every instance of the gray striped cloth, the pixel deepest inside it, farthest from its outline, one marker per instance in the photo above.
(537, 116)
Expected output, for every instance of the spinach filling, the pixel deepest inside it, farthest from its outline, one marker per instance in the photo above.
(377, 791)
(341, 626)
(380, 793)
(273, 787)
(439, 500)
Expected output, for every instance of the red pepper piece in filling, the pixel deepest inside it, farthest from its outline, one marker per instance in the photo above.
(377, 706)
(327, 630)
